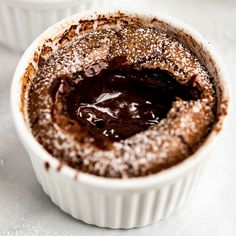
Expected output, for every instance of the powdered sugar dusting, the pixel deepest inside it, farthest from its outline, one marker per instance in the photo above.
(160, 146)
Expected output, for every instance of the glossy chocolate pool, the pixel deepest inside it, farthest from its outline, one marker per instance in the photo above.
(115, 101)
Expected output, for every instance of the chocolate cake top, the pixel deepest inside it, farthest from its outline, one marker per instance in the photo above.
(121, 102)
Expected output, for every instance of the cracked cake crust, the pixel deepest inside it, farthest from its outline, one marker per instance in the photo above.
(159, 147)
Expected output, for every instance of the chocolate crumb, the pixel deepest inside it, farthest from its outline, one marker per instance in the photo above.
(46, 165)
(60, 166)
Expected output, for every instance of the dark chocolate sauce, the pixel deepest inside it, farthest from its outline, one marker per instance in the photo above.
(113, 100)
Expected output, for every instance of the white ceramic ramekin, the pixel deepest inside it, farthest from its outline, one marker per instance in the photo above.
(21, 21)
(119, 203)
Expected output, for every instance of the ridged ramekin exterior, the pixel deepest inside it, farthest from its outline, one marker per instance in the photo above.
(120, 203)
(21, 22)
(119, 208)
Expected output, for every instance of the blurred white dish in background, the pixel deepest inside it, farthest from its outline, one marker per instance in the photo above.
(134, 4)
(21, 21)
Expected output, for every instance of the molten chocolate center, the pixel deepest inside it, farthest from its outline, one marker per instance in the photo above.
(115, 101)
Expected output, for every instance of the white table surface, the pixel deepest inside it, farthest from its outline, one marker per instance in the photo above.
(26, 210)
